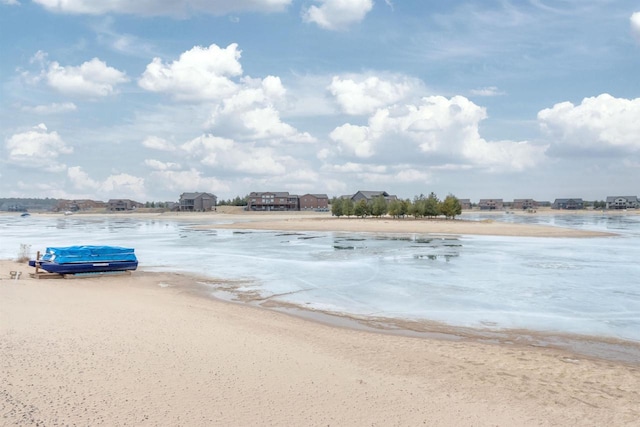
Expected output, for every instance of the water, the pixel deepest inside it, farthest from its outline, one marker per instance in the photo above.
(587, 286)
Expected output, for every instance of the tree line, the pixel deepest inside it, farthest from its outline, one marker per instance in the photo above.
(421, 207)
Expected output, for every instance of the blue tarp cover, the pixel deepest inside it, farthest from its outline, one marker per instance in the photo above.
(69, 254)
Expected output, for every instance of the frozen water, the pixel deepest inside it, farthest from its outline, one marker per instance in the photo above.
(584, 286)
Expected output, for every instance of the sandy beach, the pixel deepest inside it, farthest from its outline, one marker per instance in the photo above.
(154, 349)
(232, 217)
(151, 349)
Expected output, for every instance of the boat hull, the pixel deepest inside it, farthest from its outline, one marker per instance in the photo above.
(85, 267)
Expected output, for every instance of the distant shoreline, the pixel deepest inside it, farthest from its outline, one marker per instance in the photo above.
(236, 218)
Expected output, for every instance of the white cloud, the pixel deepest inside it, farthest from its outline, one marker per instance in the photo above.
(81, 180)
(51, 108)
(598, 123)
(364, 94)
(437, 131)
(227, 155)
(37, 148)
(187, 180)
(635, 25)
(206, 148)
(123, 185)
(251, 114)
(10, 2)
(353, 139)
(162, 166)
(411, 175)
(174, 8)
(337, 14)
(352, 167)
(487, 91)
(157, 143)
(92, 78)
(202, 73)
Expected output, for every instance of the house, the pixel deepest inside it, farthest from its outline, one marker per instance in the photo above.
(123, 205)
(491, 204)
(197, 202)
(569, 204)
(370, 195)
(524, 204)
(318, 202)
(64, 205)
(465, 204)
(273, 201)
(622, 202)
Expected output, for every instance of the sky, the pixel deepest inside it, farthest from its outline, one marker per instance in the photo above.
(148, 99)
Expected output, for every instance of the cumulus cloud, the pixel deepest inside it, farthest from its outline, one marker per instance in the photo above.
(163, 7)
(81, 180)
(436, 131)
(162, 166)
(337, 14)
(123, 185)
(635, 25)
(597, 123)
(157, 143)
(51, 108)
(226, 154)
(202, 73)
(242, 107)
(177, 181)
(364, 94)
(92, 78)
(37, 148)
(353, 139)
(251, 114)
(487, 91)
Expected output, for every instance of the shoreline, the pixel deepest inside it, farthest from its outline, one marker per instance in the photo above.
(173, 355)
(603, 348)
(314, 221)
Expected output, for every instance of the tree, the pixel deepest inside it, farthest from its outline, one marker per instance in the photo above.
(450, 207)
(404, 207)
(348, 208)
(379, 206)
(361, 208)
(417, 207)
(395, 208)
(432, 206)
(336, 207)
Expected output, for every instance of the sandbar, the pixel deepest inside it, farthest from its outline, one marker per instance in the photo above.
(152, 349)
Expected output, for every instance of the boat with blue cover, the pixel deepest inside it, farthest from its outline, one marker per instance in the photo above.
(86, 259)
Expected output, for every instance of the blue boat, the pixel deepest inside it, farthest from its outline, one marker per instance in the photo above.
(86, 259)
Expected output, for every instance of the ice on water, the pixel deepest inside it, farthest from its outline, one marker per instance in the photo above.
(586, 286)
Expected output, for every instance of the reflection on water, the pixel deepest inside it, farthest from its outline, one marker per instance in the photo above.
(584, 286)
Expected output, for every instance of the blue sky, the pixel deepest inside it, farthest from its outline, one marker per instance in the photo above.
(148, 99)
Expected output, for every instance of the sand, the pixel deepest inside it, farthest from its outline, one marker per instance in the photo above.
(151, 349)
(236, 218)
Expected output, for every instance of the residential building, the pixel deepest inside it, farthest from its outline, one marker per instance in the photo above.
(197, 202)
(622, 202)
(491, 204)
(273, 201)
(370, 195)
(569, 204)
(317, 202)
(123, 205)
(465, 204)
(524, 204)
(78, 205)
